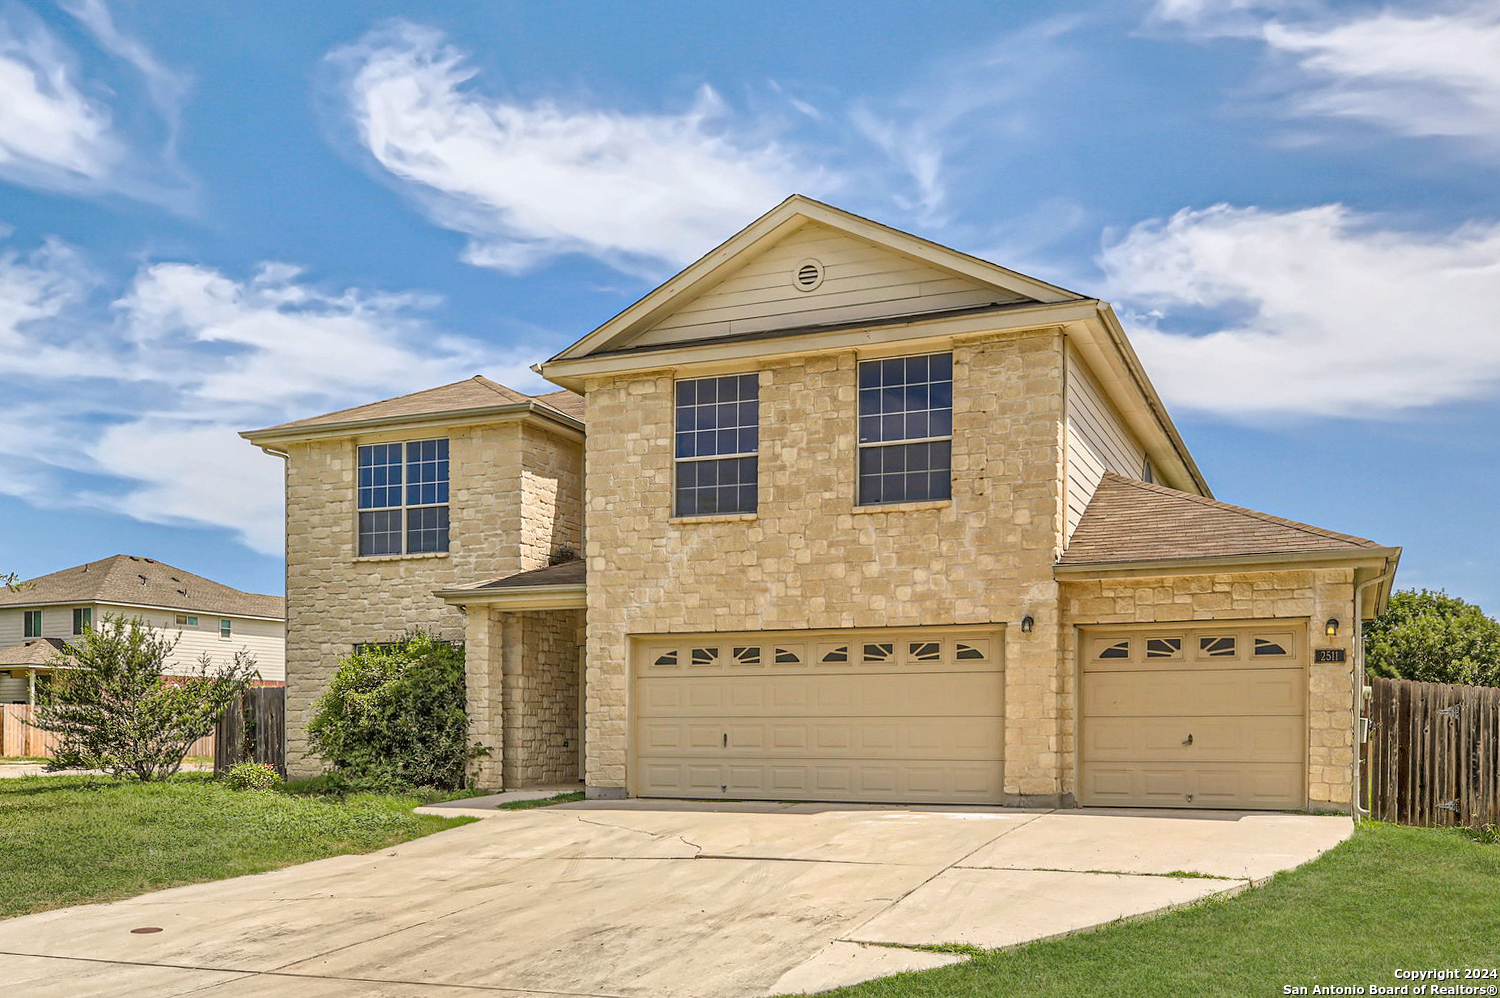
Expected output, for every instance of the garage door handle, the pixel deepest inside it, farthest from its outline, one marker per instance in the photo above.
(726, 739)
(1189, 740)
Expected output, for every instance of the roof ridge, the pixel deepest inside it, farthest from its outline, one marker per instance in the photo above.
(496, 387)
(1255, 514)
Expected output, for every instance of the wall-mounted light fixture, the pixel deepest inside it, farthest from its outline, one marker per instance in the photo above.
(1332, 627)
(1026, 624)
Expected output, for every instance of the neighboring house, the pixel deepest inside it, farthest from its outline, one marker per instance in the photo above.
(867, 519)
(44, 613)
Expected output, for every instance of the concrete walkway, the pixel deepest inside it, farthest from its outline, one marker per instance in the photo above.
(658, 899)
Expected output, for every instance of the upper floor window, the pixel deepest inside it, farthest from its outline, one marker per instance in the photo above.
(226, 628)
(403, 497)
(718, 436)
(186, 620)
(905, 429)
(32, 620)
(83, 619)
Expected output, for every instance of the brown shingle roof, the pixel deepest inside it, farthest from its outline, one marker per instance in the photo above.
(135, 581)
(473, 393)
(565, 574)
(37, 651)
(1129, 520)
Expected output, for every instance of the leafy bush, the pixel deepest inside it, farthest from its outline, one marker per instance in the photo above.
(113, 710)
(396, 717)
(1435, 638)
(252, 776)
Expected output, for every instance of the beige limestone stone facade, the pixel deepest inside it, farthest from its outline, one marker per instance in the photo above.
(1311, 595)
(810, 558)
(515, 501)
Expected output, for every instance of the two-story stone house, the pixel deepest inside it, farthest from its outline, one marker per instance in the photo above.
(862, 518)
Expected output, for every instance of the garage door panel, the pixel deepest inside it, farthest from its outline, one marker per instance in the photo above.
(852, 780)
(1214, 739)
(1185, 693)
(1178, 715)
(1263, 785)
(948, 738)
(819, 696)
(889, 716)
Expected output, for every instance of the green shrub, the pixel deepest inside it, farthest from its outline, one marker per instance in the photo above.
(396, 717)
(111, 709)
(252, 776)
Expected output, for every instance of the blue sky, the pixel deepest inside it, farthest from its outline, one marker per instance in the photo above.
(217, 216)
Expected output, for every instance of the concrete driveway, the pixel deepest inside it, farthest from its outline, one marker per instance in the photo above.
(659, 899)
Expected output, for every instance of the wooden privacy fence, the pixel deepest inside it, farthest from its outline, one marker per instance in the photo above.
(1433, 756)
(19, 738)
(253, 730)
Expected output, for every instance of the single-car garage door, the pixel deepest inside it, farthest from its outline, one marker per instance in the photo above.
(1194, 716)
(860, 715)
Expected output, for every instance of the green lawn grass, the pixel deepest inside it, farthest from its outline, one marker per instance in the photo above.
(74, 839)
(527, 805)
(1391, 897)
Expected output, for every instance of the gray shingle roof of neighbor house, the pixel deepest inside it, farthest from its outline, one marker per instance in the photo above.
(37, 651)
(136, 581)
(1134, 521)
(470, 394)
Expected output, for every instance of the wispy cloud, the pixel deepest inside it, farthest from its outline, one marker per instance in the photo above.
(131, 398)
(526, 181)
(1254, 314)
(529, 180)
(1416, 72)
(57, 130)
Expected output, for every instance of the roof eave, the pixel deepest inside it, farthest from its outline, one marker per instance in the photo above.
(1203, 565)
(94, 601)
(346, 428)
(561, 596)
(877, 332)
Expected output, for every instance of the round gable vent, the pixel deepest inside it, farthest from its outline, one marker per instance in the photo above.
(808, 275)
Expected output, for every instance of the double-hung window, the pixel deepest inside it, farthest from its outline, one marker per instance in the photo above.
(718, 437)
(905, 429)
(403, 497)
(33, 623)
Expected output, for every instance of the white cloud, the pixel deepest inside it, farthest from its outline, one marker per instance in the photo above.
(1427, 72)
(525, 181)
(1315, 311)
(56, 133)
(148, 402)
(51, 135)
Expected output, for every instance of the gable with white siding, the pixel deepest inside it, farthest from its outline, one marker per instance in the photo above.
(860, 280)
(1098, 440)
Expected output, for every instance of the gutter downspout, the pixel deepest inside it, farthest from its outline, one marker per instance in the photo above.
(1360, 813)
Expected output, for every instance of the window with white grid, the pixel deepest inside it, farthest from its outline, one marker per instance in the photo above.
(905, 429)
(403, 497)
(717, 439)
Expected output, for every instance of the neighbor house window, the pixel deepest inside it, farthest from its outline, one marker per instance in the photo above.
(33, 623)
(185, 620)
(403, 497)
(225, 629)
(83, 619)
(718, 436)
(905, 429)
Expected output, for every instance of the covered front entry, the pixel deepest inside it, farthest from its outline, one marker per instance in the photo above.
(857, 715)
(1194, 715)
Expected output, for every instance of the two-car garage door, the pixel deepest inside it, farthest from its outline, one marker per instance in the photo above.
(859, 715)
(1194, 716)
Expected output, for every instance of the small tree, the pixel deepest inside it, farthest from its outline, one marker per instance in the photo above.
(396, 716)
(1435, 638)
(113, 710)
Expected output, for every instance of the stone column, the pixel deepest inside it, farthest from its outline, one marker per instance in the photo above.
(483, 683)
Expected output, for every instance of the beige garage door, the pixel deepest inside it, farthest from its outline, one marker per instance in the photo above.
(869, 715)
(1176, 716)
